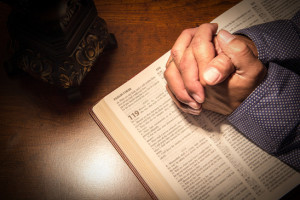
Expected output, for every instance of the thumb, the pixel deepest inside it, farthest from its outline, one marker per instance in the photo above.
(217, 70)
(242, 57)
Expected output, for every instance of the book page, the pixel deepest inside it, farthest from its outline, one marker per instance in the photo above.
(252, 12)
(200, 157)
(193, 152)
(255, 165)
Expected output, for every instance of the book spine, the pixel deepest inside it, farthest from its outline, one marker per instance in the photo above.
(124, 157)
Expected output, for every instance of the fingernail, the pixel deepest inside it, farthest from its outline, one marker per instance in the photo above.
(226, 36)
(197, 98)
(194, 105)
(211, 75)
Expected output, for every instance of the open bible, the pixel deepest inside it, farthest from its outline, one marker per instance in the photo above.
(180, 156)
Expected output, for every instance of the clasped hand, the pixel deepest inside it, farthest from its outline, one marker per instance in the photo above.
(216, 73)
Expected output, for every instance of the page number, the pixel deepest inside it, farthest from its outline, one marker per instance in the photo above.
(133, 115)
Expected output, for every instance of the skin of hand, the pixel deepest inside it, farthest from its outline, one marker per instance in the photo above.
(228, 76)
(226, 89)
(182, 75)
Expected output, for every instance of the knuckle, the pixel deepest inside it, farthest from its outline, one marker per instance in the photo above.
(196, 43)
(182, 66)
(239, 47)
(191, 86)
(175, 53)
(205, 25)
(182, 96)
(187, 31)
(167, 74)
(224, 62)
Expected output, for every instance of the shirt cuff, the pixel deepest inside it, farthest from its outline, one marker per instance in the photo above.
(271, 111)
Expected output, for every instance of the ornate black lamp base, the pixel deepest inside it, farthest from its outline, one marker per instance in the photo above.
(59, 50)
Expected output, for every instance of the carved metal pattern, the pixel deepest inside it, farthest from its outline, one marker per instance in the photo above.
(69, 76)
(85, 56)
(37, 65)
(71, 8)
(70, 72)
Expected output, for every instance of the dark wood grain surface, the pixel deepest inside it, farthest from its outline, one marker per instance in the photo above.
(51, 148)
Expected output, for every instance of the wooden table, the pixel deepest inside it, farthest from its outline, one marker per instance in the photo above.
(51, 148)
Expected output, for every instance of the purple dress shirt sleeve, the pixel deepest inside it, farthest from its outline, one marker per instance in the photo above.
(270, 116)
